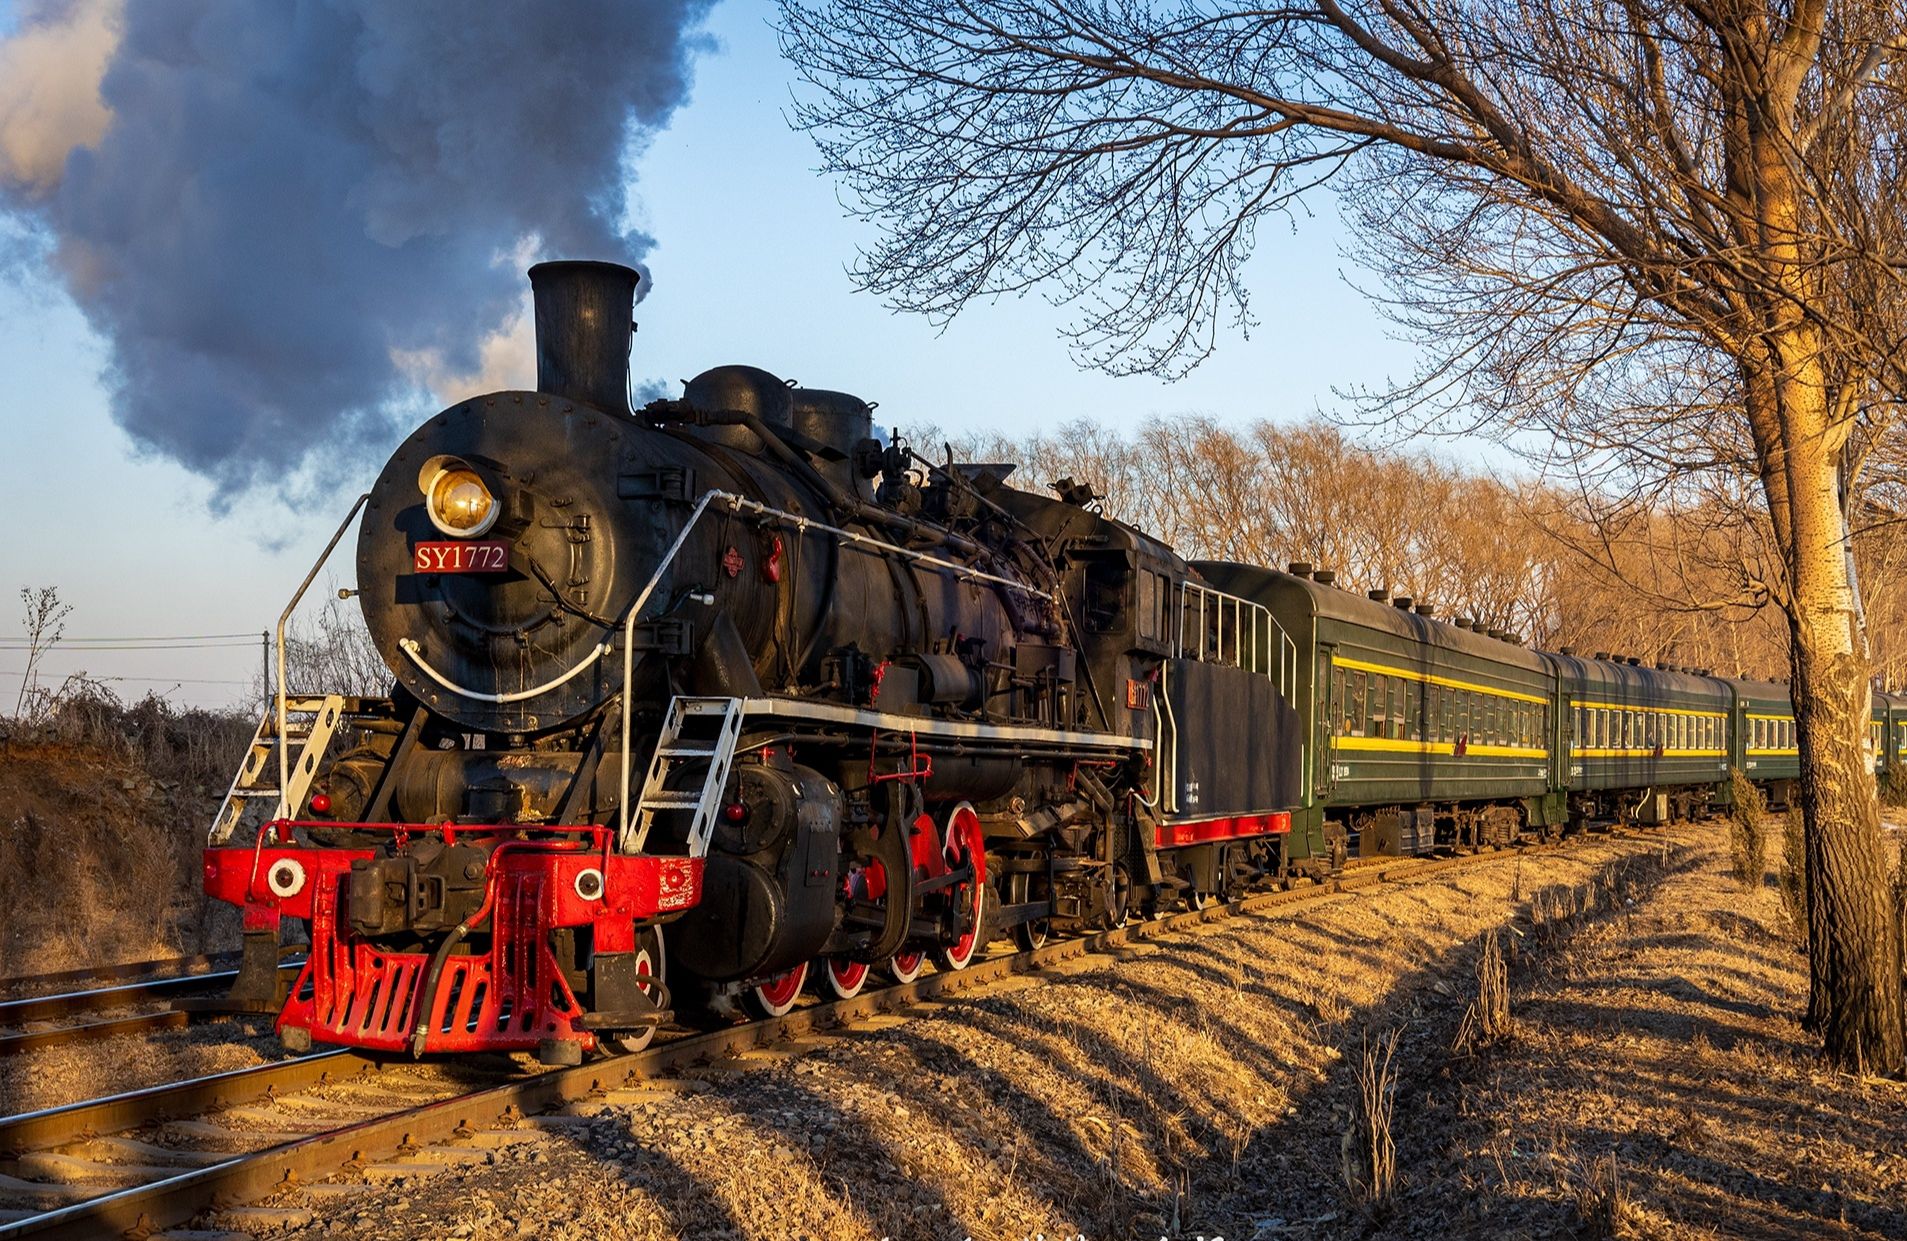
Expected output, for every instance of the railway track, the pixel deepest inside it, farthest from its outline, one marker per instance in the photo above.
(138, 1163)
(131, 971)
(24, 1021)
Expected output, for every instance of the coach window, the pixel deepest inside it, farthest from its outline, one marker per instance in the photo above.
(1414, 709)
(1380, 705)
(1354, 706)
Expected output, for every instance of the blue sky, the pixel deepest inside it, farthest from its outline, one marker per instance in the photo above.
(749, 267)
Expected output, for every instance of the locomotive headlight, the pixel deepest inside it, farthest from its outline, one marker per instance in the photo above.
(459, 504)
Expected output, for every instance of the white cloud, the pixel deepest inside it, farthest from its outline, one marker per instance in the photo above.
(506, 359)
(50, 70)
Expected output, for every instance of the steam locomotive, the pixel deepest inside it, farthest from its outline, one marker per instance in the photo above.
(731, 684)
(701, 705)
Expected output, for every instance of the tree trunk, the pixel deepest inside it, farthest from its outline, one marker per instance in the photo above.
(1853, 950)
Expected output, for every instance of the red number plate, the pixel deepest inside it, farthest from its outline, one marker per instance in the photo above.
(462, 556)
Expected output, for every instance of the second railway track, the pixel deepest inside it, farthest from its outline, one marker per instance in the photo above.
(140, 1162)
(74, 1016)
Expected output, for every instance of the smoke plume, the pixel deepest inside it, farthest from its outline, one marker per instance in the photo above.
(288, 218)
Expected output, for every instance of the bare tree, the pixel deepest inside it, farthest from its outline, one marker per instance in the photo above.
(1668, 233)
(331, 652)
(45, 618)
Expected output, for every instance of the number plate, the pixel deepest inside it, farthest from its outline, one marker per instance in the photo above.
(462, 556)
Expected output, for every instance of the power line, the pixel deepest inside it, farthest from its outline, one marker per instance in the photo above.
(17, 672)
(7, 644)
(174, 637)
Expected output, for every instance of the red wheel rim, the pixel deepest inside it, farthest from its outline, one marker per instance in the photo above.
(846, 978)
(778, 994)
(967, 841)
(906, 966)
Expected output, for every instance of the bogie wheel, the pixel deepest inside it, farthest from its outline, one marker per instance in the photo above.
(1119, 900)
(650, 962)
(906, 966)
(1029, 935)
(966, 845)
(843, 979)
(775, 997)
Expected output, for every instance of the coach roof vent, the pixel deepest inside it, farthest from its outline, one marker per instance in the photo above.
(1379, 596)
(1324, 577)
(1463, 622)
(1566, 650)
(1425, 609)
(1401, 601)
(1299, 568)
(1602, 655)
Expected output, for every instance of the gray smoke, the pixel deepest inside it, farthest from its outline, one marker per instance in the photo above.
(287, 217)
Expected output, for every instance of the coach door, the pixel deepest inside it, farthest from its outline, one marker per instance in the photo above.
(1333, 705)
(1564, 769)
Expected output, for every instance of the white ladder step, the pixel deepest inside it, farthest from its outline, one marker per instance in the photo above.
(682, 751)
(671, 801)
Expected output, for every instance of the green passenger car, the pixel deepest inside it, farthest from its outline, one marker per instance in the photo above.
(1421, 732)
(1643, 743)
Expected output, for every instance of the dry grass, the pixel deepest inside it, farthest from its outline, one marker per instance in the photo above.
(1488, 1018)
(1661, 1085)
(1598, 1196)
(103, 811)
(1368, 1153)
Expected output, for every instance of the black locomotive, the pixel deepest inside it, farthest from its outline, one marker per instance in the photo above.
(732, 685)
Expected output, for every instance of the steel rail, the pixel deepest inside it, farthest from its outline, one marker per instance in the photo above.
(34, 1040)
(71, 1003)
(54, 1126)
(15, 1013)
(144, 1209)
(133, 971)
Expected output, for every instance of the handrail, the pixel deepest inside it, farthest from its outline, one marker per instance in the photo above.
(415, 649)
(284, 618)
(629, 647)
(1246, 654)
(802, 525)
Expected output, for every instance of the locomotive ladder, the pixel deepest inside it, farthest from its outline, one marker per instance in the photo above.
(313, 738)
(699, 730)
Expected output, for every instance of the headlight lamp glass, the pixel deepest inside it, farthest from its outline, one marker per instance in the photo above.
(459, 504)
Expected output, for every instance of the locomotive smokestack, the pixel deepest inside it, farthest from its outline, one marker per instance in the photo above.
(583, 319)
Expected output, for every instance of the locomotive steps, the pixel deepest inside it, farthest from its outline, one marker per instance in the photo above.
(1194, 1027)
